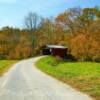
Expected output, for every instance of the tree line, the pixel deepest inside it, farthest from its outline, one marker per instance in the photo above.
(76, 28)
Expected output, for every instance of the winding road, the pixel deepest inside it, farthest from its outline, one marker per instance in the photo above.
(25, 82)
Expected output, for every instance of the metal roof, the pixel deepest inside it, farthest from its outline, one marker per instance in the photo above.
(56, 46)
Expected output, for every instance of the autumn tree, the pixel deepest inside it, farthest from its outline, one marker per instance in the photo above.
(76, 28)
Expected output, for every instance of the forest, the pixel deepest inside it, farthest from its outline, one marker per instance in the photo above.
(77, 28)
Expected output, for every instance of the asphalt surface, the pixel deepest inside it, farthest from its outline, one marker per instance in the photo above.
(25, 82)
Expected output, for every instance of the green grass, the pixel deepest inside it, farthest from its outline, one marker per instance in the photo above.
(84, 76)
(5, 65)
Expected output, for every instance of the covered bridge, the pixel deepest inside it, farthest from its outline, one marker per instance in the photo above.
(55, 50)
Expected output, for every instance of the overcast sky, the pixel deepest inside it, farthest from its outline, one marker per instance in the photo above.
(12, 12)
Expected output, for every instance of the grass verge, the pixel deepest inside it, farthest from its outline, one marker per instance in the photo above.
(84, 76)
(5, 65)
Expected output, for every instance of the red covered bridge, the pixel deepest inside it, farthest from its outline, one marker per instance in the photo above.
(55, 50)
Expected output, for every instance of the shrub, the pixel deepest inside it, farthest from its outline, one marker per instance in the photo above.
(57, 60)
(85, 48)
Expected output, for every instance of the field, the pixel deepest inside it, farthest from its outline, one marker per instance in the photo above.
(83, 76)
(5, 65)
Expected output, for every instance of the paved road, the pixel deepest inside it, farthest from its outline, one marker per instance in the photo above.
(25, 82)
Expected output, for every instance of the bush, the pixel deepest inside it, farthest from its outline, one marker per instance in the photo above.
(56, 60)
(85, 48)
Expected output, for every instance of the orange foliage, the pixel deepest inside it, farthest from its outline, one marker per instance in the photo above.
(85, 47)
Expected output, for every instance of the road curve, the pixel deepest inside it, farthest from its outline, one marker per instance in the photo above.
(25, 82)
